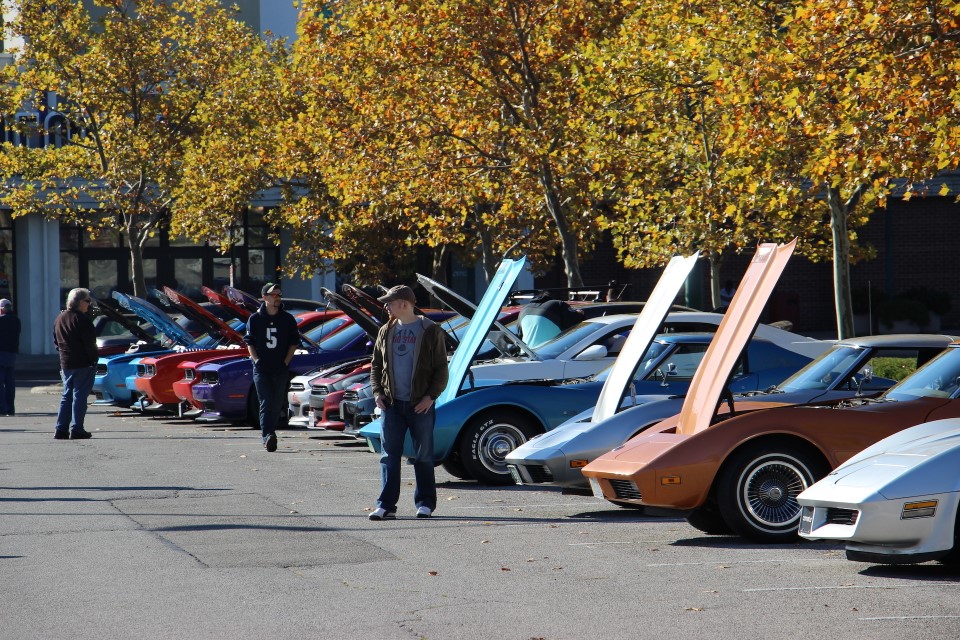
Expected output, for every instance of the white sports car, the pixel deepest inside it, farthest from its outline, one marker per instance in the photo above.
(894, 502)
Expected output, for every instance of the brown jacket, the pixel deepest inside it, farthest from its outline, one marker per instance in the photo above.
(429, 368)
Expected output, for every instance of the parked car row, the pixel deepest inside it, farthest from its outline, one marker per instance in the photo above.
(731, 424)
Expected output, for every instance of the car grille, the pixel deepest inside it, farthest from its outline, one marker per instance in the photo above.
(350, 396)
(210, 377)
(842, 516)
(297, 386)
(101, 369)
(189, 374)
(539, 473)
(625, 489)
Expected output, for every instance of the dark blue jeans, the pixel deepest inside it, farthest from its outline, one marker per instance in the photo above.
(77, 384)
(271, 389)
(8, 390)
(398, 419)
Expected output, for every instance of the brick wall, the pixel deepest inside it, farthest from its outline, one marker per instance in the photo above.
(917, 246)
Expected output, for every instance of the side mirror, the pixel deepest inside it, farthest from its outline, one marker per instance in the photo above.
(593, 352)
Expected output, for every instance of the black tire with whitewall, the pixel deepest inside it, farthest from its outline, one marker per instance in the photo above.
(758, 486)
(486, 441)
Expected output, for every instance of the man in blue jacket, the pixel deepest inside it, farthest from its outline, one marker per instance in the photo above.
(9, 348)
(272, 338)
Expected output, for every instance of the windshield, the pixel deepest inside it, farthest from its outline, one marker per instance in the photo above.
(563, 341)
(939, 378)
(324, 329)
(342, 338)
(826, 368)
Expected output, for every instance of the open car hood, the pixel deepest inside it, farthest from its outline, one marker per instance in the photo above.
(370, 305)
(203, 316)
(352, 311)
(138, 332)
(500, 336)
(156, 317)
(642, 334)
(480, 323)
(218, 298)
(738, 324)
(242, 299)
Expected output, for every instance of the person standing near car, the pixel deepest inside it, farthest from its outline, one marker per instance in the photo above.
(76, 340)
(544, 317)
(9, 348)
(408, 373)
(272, 339)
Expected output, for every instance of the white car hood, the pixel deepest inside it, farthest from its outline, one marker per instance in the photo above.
(917, 461)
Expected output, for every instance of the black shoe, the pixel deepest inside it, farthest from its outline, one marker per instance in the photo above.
(80, 434)
(271, 443)
(61, 435)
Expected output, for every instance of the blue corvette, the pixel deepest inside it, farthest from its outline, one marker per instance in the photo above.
(475, 432)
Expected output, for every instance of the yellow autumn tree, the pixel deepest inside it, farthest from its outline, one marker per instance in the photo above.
(865, 94)
(452, 121)
(119, 89)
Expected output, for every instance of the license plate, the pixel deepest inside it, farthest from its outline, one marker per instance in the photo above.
(514, 473)
(806, 520)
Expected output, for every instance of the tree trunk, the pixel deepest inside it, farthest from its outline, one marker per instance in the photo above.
(715, 285)
(841, 263)
(134, 241)
(441, 255)
(568, 240)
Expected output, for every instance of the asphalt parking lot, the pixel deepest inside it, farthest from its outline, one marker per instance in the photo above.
(161, 528)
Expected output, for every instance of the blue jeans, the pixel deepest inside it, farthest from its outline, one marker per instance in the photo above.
(77, 384)
(272, 392)
(399, 418)
(8, 390)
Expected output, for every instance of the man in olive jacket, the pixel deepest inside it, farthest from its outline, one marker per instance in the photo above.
(408, 372)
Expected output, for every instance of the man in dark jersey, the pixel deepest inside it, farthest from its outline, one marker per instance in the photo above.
(272, 338)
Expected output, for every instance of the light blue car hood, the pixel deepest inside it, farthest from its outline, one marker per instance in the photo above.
(155, 316)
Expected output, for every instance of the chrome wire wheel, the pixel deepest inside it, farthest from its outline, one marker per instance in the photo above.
(769, 491)
(758, 487)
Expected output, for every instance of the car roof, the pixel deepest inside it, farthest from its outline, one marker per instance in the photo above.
(904, 340)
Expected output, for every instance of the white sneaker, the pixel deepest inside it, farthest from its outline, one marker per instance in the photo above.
(424, 512)
(382, 514)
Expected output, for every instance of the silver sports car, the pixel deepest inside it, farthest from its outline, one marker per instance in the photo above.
(894, 502)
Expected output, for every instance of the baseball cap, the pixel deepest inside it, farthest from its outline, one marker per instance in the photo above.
(269, 288)
(399, 292)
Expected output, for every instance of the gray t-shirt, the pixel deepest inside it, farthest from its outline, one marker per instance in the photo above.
(405, 338)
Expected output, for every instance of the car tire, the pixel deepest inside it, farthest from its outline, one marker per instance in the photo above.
(454, 466)
(488, 439)
(708, 520)
(952, 559)
(758, 486)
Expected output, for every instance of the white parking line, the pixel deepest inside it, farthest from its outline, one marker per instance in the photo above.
(524, 506)
(857, 586)
(911, 618)
(693, 564)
